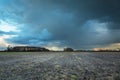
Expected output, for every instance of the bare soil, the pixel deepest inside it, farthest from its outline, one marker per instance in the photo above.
(60, 66)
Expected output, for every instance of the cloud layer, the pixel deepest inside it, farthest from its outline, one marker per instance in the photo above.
(74, 23)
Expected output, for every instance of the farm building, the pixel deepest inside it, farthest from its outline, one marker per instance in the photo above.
(27, 48)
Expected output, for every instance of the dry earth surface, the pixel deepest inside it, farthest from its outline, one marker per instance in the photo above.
(59, 65)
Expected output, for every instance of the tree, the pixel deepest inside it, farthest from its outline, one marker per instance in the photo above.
(68, 49)
(9, 48)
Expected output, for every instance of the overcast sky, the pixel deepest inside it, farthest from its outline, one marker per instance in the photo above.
(80, 24)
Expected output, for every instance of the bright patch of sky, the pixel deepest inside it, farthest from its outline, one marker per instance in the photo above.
(113, 46)
(55, 46)
(7, 27)
(96, 26)
(3, 42)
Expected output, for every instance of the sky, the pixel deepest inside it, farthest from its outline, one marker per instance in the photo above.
(55, 24)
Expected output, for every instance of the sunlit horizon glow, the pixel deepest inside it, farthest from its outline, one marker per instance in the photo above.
(3, 42)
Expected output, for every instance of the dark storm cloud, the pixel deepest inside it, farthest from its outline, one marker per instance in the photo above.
(88, 9)
(77, 23)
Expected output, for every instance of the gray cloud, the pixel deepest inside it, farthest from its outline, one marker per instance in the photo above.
(7, 33)
(76, 23)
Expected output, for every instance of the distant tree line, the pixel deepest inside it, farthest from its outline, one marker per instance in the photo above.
(42, 49)
(26, 48)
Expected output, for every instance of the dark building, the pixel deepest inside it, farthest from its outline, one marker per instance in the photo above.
(27, 48)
